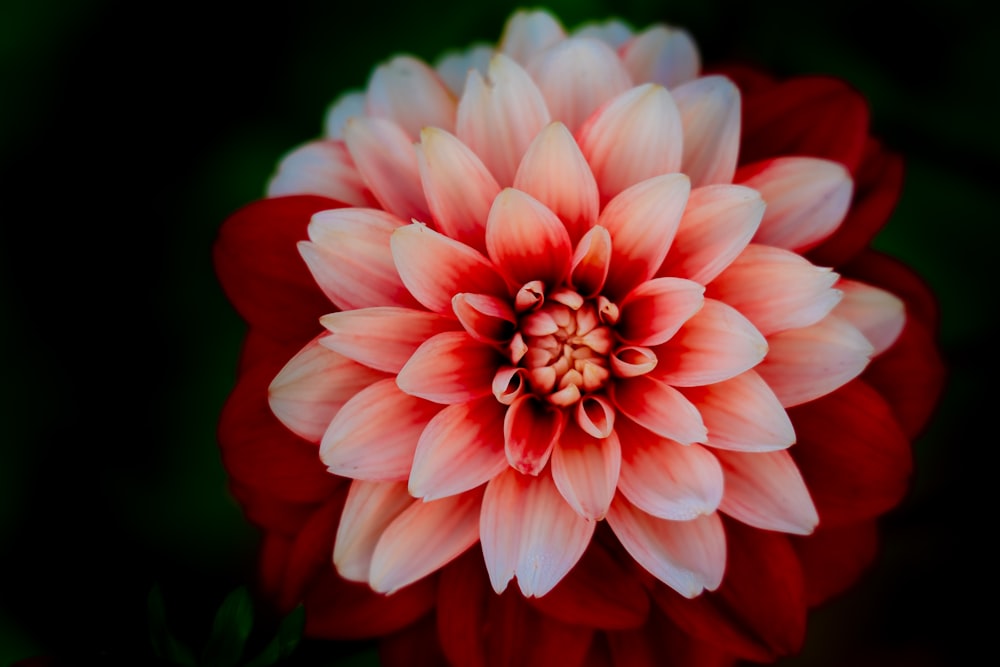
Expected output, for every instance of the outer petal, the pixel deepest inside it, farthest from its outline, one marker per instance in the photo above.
(710, 116)
(348, 105)
(878, 314)
(766, 490)
(632, 137)
(407, 91)
(321, 168)
(528, 33)
(585, 470)
(369, 509)
(454, 65)
(660, 408)
(375, 434)
(653, 312)
(834, 557)
(526, 240)
(450, 368)
(688, 556)
(661, 54)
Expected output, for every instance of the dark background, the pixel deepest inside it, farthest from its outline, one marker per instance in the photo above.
(128, 133)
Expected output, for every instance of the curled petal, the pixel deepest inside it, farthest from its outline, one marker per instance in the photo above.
(631, 360)
(435, 268)
(526, 240)
(531, 429)
(585, 470)
(509, 384)
(807, 199)
(529, 531)
(370, 507)
(710, 115)
(596, 416)
(449, 368)
(591, 261)
(660, 408)
(384, 337)
(804, 364)
(653, 312)
(321, 168)
(631, 138)
(660, 54)
(409, 92)
(688, 556)
(554, 172)
(766, 490)
(878, 314)
(375, 433)
(461, 448)
(486, 318)
(715, 344)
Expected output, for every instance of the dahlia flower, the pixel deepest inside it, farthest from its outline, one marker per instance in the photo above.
(566, 347)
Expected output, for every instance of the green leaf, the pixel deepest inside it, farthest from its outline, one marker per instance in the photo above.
(287, 638)
(230, 630)
(164, 644)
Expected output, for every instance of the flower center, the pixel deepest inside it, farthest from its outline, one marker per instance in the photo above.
(567, 342)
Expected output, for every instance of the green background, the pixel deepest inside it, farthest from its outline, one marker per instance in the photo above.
(129, 131)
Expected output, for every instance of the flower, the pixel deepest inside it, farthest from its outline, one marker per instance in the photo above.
(569, 348)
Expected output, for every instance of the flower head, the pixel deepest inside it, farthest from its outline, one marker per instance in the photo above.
(575, 315)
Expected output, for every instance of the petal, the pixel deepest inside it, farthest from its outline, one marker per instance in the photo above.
(554, 171)
(642, 222)
(743, 414)
(384, 337)
(313, 386)
(710, 115)
(370, 507)
(576, 76)
(374, 435)
(660, 54)
(346, 106)
(500, 116)
(776, 289)
(878, 314)
(666, 479)
(526, 240)
(384, 155)
(435, 268)
(424, 538)
(407, 91)
(585, 470)
(653, 312)
(631, 138)
(766, 490)
(458, 186)
(718, 223)
(486, 318)
(807, 199)
(531, 429)
(595, 415)
(528, 32)
(320, 168)
(715, 344)
(613, 32)
(834, 558)
(591, 261)
(660, 408)
(450, 368)
(350, 259)
(461, 448)
(528, 531)
(804, 364)
(688, 556)
(453, 66)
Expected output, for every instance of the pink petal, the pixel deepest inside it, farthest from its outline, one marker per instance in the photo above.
(313, 386)
(435, 268)
(776, 289)
(585, 470)
(454, 66)
(528, 33)
(350, 259)
(424, 538)
(458, 186)
(526, 240)
(409, 92)
(717, 343)
(388, 164)
(528, 530)
(486, 318)
(710, 115)
(369, 509)
(717, 225)
(591, 261)
(554, 171)
(450, 368)
(642, 222)
(322, 168)
(804, 364)
(807, 199)
(631, 138)
(653, 312)
(766, 490)
(531, 429)
(660, 408)
(461, 448)
(509, 384)
(666, 479)
(743, 414)
(383, 337)
(688, 556)
(576, 76)
(663, 55)
(878, 314)
(375, 433)
(499, 117)
(630, 361)
(595, 414)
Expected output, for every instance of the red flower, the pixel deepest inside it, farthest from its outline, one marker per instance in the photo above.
(449, 334)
